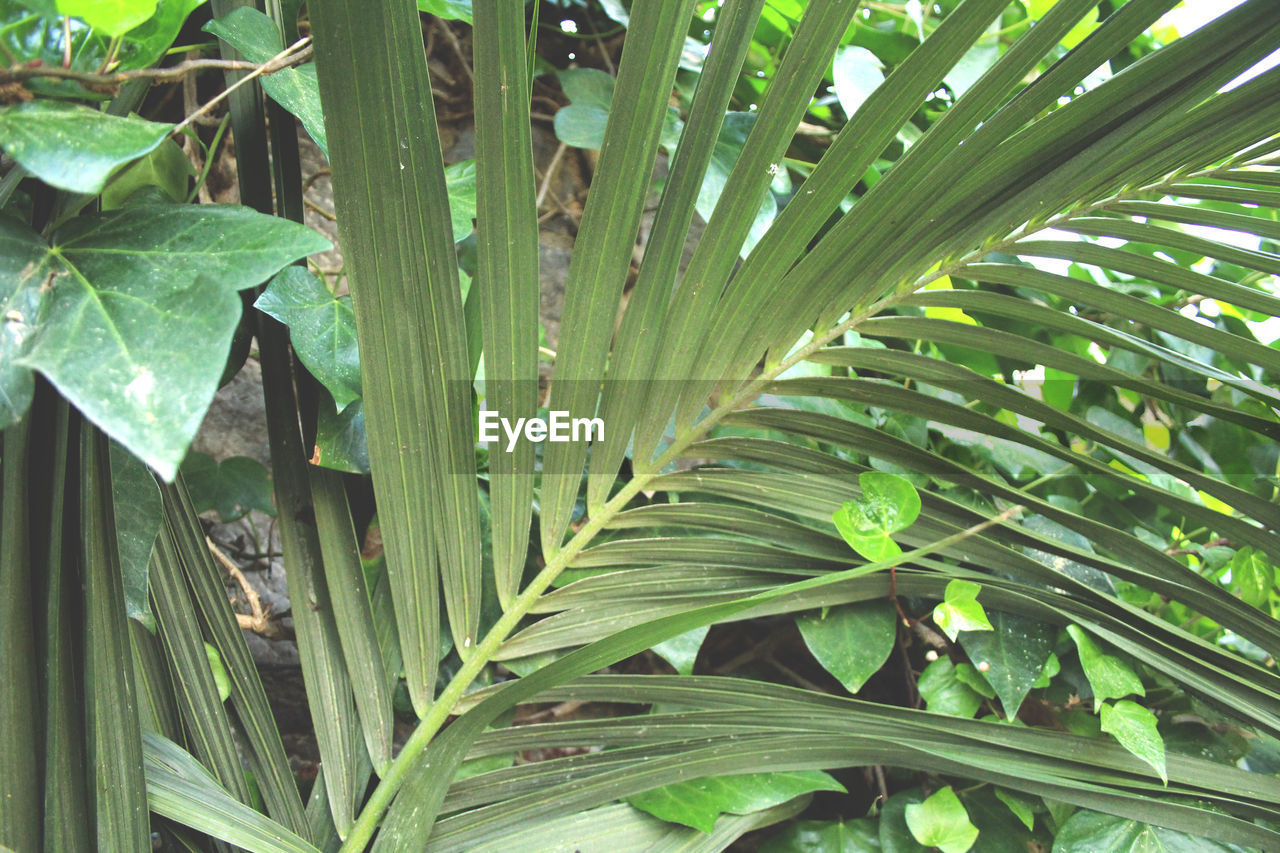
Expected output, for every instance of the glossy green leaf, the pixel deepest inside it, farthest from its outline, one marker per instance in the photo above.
(682, 651)
(1253, 576)
(142, 310)
(889, 503)
(944, 693)
(258, 39)
(138, 517)
(853, 641)
(1135, 728)
(25, 267)
(941, 821)
(1015, 652)
(340, 439)
(699, 802)
(960, 610)
(449, 10)
(73, 147)
(1109, 676)
(322, 327)
(1089, 831)
(460, 182)
(114, 17)
(815, 836)
(590, 93)
(856, 72)
(1021, 808)
(166, 167)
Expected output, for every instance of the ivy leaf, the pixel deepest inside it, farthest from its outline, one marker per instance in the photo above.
(941, 821)
(1089, 831)
(1022, 809)
(1015, 651)
(852, 641)
(142, 309)
(233, 486)
(73, 147)
(340, 439)
(113, 17)
(681, 651)
(889, 503)
(257, 38)
(960, 610)
(856, 73)
(590, 92)
(699, 802)
(166, 168)
(1135, 728)
(460, 182)
(25, 266)
(322, 328)
(944, 693)
(1109, 676)
(733, 135)
(449, 10)
(139, 513)
(968, 674)
(817, 836)
(1253, 576)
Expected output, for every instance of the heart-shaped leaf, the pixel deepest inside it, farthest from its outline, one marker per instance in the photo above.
(941, 821)
(889, 503)
(960, 610)
(1109, 676)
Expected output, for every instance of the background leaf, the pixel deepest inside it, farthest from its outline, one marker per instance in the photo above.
(699, 802)
(73, 147)
(852, 641)
(941, 821)
(322, 327)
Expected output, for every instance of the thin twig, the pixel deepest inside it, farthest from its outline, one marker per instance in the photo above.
(115, 78)
(551, 171)
(260, 620)
(297, 52)
(457, 49)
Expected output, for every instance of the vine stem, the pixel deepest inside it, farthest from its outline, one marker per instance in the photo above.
(370, 816)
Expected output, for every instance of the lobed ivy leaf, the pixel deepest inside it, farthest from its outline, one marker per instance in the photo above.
(322, 328)
(1109, 676)
(960, 610)
(942, 822)
(1135, 728)
(74, 147)
(141, 310)
(851, 641)
(1021, 808)
(1089, 831)
(232, 487)
(889, 503)
(1016, 651)
(257, 38)
(944, 693)
(699, 802)
(590, 92)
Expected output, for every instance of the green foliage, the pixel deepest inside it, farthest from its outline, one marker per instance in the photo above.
(941, 821)
(851, 642)
(960, 610)
(971, 266)
(73, 147)
(889, 503)
(699, 802)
